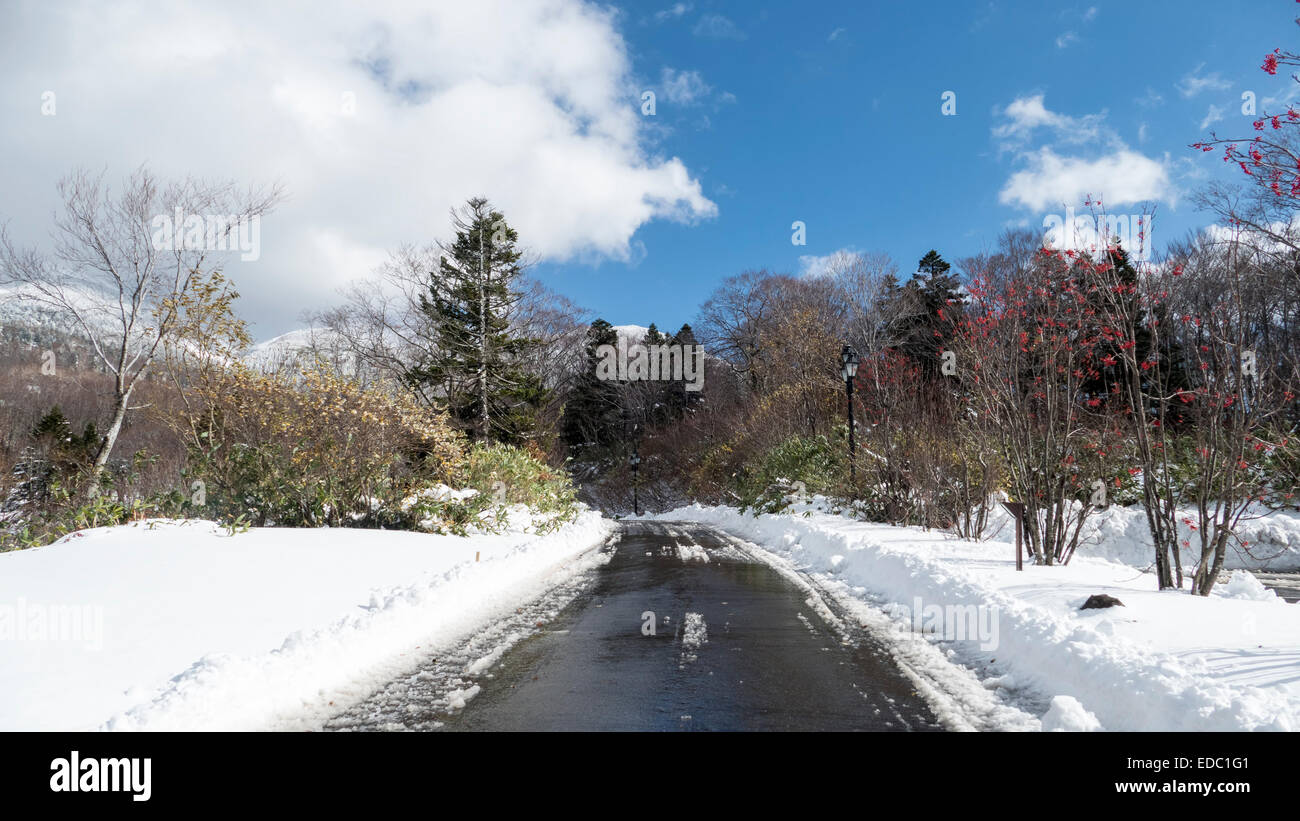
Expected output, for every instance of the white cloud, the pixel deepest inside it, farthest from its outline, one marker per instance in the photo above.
(1123, 177)
(1025, 115)
(1289, 94)
(811, 265)
(1151, 99)
(717, 27)
(684, 87)
(1090, 14)
(1048, 178)
(673, 12)
(1258, 240)
(1194, 83)
(1213, 115)
(1066, 39)
(528, 102)
(835, 35)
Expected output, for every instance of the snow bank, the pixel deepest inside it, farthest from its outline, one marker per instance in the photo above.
(178, 625)
(1066, 715)
(1163, 661)
(1271, 538)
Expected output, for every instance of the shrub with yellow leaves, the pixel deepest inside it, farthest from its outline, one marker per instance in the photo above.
(314, 448)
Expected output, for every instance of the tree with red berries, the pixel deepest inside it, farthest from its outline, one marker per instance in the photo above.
(1023, 350)
(1269, 159)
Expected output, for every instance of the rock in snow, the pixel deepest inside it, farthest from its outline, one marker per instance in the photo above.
(1100, 601)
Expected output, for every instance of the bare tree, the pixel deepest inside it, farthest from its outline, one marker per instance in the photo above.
(1142, 388)
(1241, 388)
(380, 321)
(877, 307)
(735, 318)
(120, 265)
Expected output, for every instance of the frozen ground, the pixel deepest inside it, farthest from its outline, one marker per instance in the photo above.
(1163, 661)
(178, 625)
(1271, 539)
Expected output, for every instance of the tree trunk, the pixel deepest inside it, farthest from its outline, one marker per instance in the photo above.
(1162, 536)
(1207, 572)
(484, 420)
(110, 440)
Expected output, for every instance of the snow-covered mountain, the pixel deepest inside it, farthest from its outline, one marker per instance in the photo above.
(19, 308)
(635, 333)
(28, 325)
(32, 323)
(299, 348)
(632, 333)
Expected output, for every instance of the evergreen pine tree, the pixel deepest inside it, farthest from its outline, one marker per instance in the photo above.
(52, 429)
(935, 296)
(1172, 368)
(475, 369)
(678, 400)
(593, 412)
(56, 455)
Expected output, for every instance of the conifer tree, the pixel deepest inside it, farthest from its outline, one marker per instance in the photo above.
(593, 412)
(935, 295)
(677, 399)
(475, 369)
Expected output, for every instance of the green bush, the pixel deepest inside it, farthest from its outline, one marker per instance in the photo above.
(498, 476)
(306, 451)
(524, 479)
(66, 510)
(812, 460)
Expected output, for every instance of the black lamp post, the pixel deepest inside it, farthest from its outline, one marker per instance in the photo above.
(635, 462)
(849, 369)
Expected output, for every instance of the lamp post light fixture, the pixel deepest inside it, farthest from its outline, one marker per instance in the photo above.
(848, 369)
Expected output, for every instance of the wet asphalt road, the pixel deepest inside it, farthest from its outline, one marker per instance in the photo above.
(1286, 585)
(736, 646)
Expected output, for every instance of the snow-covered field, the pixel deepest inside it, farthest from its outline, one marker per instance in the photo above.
(1271, 539)
(178, 625)
(1163, 661)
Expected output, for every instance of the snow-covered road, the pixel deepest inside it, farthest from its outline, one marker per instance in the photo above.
(1286, 585)
(684, 628)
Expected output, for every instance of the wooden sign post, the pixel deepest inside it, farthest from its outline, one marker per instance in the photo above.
(1017, 509)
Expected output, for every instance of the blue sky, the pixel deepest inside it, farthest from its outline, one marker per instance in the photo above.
(830, 113)
(765, 113)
